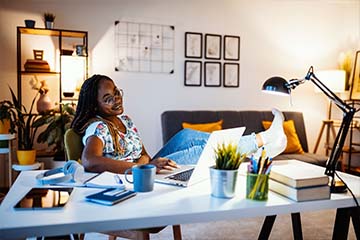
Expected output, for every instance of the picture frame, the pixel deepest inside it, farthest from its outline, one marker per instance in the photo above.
(212, 74)
(231, 74)
(231, 48)
(355, 80)
(193, 45)
(212, 46)
(192, 73)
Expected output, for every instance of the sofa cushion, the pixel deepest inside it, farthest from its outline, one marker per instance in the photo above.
(205, 127)
(293, 142)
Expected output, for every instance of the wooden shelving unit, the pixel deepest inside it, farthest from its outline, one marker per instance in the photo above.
(58, 36)
(60, 46)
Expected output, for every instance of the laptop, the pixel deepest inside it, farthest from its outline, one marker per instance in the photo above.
(188, 175)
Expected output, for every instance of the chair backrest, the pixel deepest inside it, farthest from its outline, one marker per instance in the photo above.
(73, 145)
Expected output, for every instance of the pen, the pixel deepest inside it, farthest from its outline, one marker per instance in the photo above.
(118, 179)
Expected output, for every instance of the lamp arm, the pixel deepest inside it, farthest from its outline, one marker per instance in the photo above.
(333, 97)
(339, 144)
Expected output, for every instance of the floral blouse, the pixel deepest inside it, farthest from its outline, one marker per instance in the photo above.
(129, 141)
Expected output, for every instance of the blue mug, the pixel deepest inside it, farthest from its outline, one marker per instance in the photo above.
(143, 177)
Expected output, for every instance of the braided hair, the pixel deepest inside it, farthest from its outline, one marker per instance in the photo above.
(86, 110)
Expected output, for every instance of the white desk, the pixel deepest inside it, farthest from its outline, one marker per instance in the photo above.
(166, 205)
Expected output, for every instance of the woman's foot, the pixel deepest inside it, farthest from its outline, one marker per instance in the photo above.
(274, 139)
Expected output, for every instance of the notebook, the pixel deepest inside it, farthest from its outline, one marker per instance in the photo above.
(188, 175)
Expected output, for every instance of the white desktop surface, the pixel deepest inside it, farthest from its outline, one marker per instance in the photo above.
(166, 205)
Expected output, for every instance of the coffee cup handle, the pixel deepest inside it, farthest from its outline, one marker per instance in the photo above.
(126, 173)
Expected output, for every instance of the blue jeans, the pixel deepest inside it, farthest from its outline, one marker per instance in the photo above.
(186, 146)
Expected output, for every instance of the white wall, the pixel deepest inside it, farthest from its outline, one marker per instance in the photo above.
(278, 37)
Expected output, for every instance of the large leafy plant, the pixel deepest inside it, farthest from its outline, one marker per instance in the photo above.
(227, 157)
(57, 121)
(26, 121)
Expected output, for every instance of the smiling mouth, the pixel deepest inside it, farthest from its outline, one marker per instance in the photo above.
(116, 107)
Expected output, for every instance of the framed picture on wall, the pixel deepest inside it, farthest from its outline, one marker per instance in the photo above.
(231, 47)
(193, 70)
(193, 45)
(231, 75)
(212, 74)
(355, 81)
(212, 46)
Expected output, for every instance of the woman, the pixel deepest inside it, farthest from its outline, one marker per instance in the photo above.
(112, 142)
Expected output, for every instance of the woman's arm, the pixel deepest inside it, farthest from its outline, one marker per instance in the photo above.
(93, 160)
(160, 163)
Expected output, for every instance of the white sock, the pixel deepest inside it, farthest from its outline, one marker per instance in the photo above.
(274, 139)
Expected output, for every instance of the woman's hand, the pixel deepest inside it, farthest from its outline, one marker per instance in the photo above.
(164, 163)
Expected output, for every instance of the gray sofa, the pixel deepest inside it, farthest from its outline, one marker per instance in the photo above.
(171, 122)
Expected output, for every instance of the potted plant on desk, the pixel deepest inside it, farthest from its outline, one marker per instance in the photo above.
(223, 175)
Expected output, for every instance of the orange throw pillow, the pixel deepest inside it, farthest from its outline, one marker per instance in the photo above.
(204, 127)
(293, 142)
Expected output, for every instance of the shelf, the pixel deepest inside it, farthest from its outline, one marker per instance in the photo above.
(52, 32)
(7, 136)
(4, 150)
(36, 72)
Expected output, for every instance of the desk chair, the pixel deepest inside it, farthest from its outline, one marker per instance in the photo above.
(73, 148)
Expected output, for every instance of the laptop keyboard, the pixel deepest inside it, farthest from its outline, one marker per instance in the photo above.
(182, 176)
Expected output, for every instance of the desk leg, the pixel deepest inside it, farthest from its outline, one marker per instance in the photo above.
(266, 227)
(10, 162)
(296, 224)
(342, 221)
(355, 217)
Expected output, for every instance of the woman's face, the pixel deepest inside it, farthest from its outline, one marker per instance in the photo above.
(109, 99)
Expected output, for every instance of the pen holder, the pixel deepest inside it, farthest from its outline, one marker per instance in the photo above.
(257, 186)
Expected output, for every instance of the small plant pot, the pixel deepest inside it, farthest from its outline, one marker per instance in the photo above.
(26, 157)
(49, 25)
(29, 23)
(223, 182)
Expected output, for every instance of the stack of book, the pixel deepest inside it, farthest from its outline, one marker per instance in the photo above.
(299, 181)
(36, 65)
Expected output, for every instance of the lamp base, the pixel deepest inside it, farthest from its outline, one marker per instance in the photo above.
(338, 187)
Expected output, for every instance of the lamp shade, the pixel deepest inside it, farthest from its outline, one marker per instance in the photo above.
(333, 79)
(276, 85)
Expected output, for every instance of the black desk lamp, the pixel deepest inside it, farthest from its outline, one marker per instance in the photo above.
(280, 86)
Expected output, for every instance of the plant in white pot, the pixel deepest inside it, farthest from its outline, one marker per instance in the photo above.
(223, 175)
(49, 20)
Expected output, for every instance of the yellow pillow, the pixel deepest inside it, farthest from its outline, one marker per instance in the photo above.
(204, 127)
(293, 142)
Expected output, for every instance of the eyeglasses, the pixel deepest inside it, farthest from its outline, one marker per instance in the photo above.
(110, 100)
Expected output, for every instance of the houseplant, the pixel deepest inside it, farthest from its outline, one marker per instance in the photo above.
(49, 20)
(223, 175)
(27, 124)
(58, 121)
(7, 117)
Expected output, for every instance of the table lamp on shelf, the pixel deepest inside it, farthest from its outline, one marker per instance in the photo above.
(280, 86)
(72, 72)
(335, 81)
